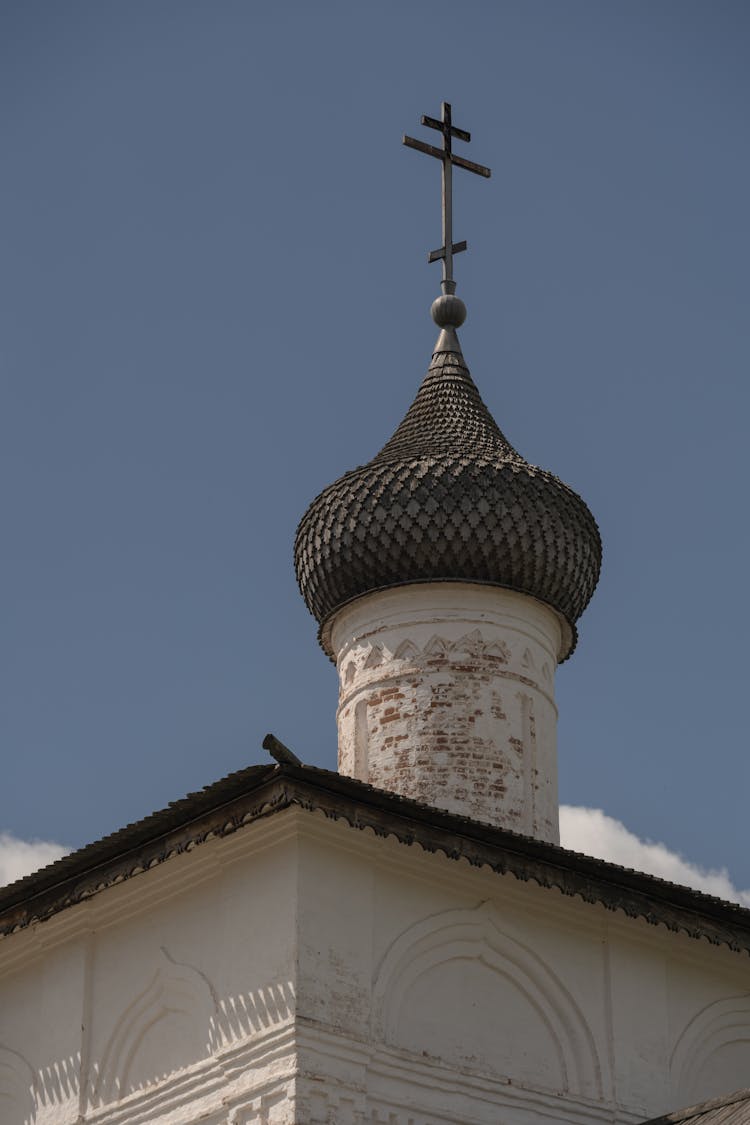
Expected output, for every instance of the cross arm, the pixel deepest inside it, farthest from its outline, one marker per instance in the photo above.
(442, 127)
(436, 255)
(441, 154)
(470, 166)
(431, 150)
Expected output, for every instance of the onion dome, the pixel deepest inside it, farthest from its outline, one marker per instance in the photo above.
(448, 498)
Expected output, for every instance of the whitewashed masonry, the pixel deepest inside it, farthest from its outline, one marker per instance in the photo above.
(302, 972)
(447, 695)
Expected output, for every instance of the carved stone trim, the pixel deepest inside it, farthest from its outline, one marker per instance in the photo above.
(80, 876)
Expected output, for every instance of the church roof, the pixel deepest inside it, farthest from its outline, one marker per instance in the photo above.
(448, 498)
(730, 1109)
(258, 792)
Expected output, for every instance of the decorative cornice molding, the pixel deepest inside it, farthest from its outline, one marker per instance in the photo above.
(252, 795)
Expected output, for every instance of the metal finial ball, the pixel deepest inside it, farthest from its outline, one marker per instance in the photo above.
(448, 311)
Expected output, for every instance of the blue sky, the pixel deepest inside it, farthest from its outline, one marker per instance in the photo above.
(215, 300)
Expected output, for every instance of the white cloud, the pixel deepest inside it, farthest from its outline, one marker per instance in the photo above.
(593, 832)
(20, 857)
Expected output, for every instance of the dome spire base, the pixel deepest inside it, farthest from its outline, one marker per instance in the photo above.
(447, 341)
(449, 312)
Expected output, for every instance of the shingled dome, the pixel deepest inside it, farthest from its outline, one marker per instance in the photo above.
(448, 498)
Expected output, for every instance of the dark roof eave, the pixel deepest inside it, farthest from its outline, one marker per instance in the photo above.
(717, 1111)
(260, 791)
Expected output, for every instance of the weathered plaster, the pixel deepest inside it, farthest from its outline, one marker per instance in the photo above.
(447, 696)
(302, 971)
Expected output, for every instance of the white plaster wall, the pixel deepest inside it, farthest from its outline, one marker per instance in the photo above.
(488, 996)
(168, 998)
(447, 696)
(302, 971)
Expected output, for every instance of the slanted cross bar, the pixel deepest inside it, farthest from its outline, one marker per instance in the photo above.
(448, 158)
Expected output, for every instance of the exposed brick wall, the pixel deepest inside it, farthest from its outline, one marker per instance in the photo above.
(447, 696)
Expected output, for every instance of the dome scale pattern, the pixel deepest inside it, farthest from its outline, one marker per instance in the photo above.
(448, 498)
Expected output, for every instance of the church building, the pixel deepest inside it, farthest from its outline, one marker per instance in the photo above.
(403, 941)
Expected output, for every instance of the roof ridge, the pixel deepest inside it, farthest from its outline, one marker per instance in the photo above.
(257, 791)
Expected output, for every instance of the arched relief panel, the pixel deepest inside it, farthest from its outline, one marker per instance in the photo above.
(17, 1089)
(455, 986)
(169, 1026)
(712, 1054)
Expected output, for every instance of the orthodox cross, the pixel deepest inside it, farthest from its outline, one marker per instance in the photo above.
(448, 159)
